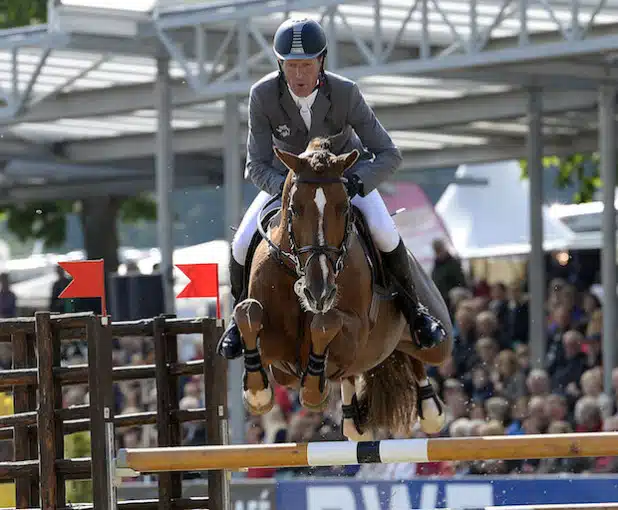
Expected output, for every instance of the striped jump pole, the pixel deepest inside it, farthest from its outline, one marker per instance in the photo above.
(337, 453)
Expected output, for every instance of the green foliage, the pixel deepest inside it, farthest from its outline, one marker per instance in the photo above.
(579, 169)
(78, 445)
(19, 13)
(139, 208)
(45, 221)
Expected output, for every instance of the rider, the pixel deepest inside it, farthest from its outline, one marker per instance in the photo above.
(288, 108)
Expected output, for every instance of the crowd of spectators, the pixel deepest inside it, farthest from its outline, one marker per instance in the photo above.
(487, 384)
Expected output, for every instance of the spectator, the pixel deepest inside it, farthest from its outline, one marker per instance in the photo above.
(464, 353)
(498, 410)
(487, 325)
(456, 296)
(509, 381)
(566, 370)
(481, 387)
(518, 313)
(8, 301)
(556, 408)
(499, 304)
(487, 350)
(447, 271)
(537, 383)
(537, 413)
(588, 415)
(591, 384)
(594, 339)
(55, 304)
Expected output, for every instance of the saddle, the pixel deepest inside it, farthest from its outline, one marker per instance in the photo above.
(382, 285)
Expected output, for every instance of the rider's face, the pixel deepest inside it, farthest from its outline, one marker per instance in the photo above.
(302, 75)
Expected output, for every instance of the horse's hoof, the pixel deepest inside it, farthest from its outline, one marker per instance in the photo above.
(352, 433)
(431, 411)
(321, 405)
(260, 402)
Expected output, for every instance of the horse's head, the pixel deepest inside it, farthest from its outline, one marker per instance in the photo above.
(316, 213)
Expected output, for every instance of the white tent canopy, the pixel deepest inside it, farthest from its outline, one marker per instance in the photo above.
(493, 220)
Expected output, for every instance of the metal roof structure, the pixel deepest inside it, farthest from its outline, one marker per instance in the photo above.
(447, 78)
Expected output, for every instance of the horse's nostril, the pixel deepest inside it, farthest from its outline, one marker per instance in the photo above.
(331, 293)
(308, 294)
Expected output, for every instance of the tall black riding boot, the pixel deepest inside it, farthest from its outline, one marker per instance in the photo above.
(426, 330)
(230, 344)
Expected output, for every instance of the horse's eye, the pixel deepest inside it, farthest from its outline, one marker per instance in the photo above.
(296, 210)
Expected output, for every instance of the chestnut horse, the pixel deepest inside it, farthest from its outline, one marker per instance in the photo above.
(312, 314)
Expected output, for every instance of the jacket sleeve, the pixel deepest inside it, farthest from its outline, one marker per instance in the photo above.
(260, 150)
(387, 157)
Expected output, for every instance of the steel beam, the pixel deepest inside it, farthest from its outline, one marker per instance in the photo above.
(77, 189)
(607, 149)
(536, 264)
(129, 98)
(165, 183)
(233, 167)
(426, 115)
(221, 12)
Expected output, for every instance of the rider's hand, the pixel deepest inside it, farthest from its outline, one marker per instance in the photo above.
(353, 186)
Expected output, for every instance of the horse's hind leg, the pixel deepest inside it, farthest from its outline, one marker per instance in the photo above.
(314, 386)
(258, 395)
(430, 408)
(352, 426)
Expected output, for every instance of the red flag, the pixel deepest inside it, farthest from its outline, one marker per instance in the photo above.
(204, 282)
(88, 280)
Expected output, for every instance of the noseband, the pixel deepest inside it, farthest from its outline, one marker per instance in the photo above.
(335, 255)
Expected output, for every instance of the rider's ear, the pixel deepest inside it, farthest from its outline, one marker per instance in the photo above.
(347, 160)
(287, 158)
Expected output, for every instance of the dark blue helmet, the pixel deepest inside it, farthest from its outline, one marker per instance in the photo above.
(299, 39)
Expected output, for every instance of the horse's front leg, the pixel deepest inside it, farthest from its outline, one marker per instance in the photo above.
(430, 409)
(258, 395)
(353, 416)
(314, 386)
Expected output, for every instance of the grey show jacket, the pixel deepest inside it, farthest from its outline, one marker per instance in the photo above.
(339, 112)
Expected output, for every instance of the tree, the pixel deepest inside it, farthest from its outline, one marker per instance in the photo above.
(581, 170)
(47, 221)
(18, 13)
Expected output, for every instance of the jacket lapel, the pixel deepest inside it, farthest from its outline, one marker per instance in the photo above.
(319, 110)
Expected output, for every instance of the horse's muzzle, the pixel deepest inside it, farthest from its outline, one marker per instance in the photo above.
(324, 302)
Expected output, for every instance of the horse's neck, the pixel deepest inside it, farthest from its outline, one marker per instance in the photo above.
(279, 234)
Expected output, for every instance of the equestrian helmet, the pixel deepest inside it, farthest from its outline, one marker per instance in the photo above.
(299, 39)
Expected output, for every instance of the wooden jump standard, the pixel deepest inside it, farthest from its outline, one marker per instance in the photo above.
(204, 458)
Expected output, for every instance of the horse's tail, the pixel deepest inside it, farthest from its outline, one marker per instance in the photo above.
(388, 395)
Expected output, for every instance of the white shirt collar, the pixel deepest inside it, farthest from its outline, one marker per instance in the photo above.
(304, 101)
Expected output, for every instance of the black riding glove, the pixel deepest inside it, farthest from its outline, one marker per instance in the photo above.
(354, 185)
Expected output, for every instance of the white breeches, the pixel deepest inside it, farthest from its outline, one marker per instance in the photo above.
(380, 223)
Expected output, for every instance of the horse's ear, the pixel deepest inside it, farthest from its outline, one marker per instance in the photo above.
(287, 158)
(347, 160)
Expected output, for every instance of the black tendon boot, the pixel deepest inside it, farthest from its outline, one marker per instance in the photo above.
(426, 330)
(230, 344)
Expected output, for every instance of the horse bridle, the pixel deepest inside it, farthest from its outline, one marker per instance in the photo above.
(335, 255)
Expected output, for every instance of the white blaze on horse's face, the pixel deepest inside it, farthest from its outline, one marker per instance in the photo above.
(317, 290)
(320, 202)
